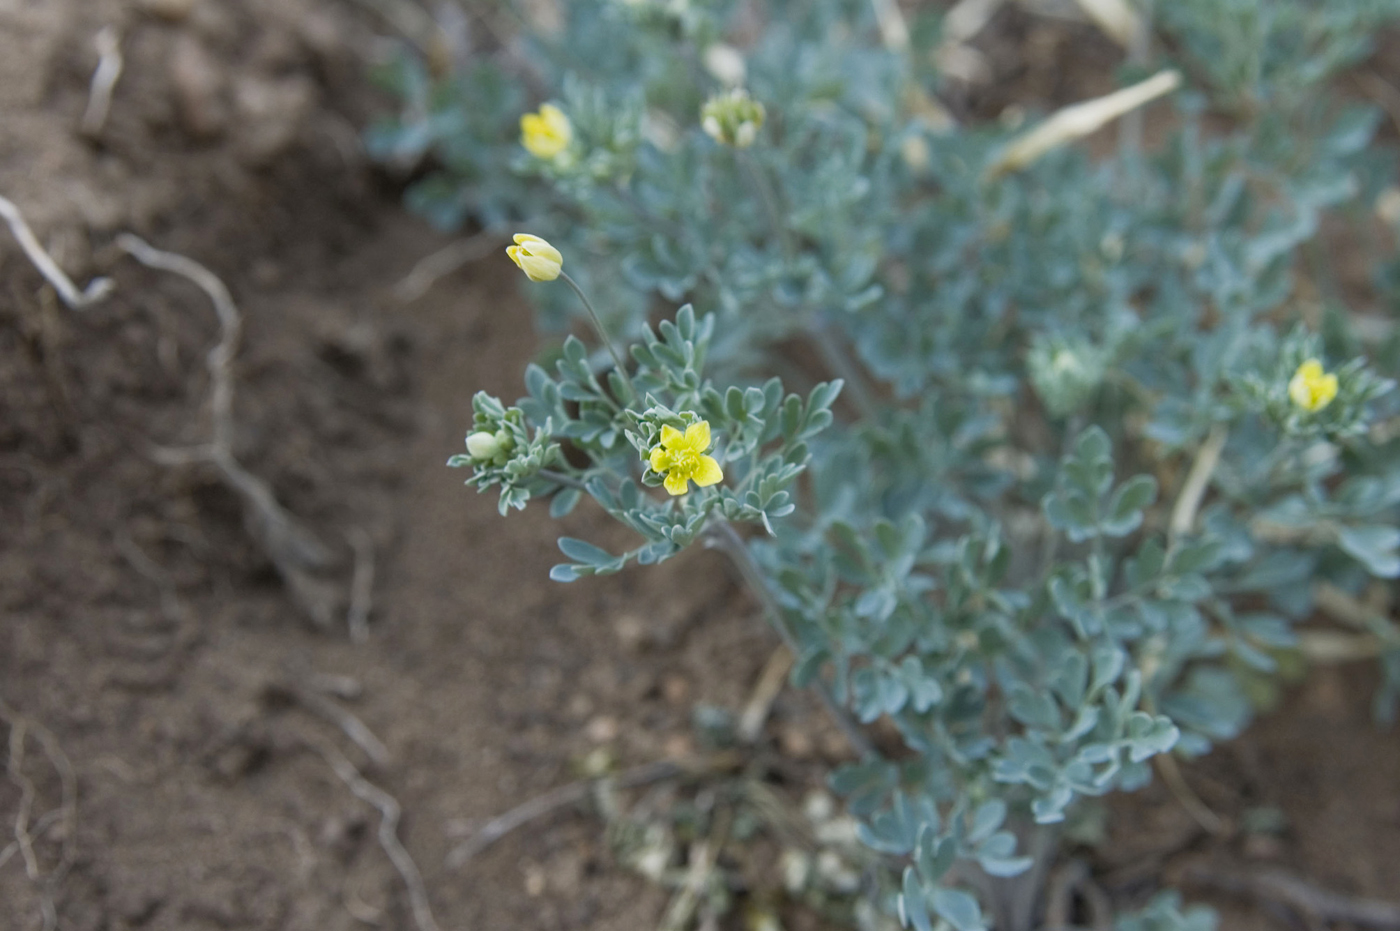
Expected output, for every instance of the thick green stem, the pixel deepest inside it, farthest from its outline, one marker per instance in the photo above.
(602, 334)
(726, 539)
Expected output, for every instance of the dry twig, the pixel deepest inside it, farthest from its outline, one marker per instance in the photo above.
(350, 725)
(563, 797)
(894, 31)
(1079, 120)
(104, 80)
(1199, 811)
(1301, 896)
(1188, 502)
(443, 262)
(96, 290)
(389, 813)
(1064, 882)
(293, 549)
(65, 815)
(361, 585)
(765, 692)
(704, 855)
(1116, 18)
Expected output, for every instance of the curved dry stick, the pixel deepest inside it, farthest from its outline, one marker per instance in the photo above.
(551, 801)
(1079, 120)
(1188, 502)
(96, 290)
(361, 585)
(445, 261)
(389, 813)
(292, 547)
(1302, 896)
(66, 813)
(104, 80)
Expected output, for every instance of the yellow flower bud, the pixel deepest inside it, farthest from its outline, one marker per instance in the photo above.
(1311, 388)
(537, 259)
(546, 134)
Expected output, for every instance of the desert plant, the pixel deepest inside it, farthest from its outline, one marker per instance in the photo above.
(1106, 436)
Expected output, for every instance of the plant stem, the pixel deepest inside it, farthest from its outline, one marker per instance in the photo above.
(759, 181)
(602, 333)
(725, 538)
(840, 362)
(559, 478)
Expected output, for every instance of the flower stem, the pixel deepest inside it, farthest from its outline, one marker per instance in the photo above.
(766, 196)
(559, 478)
(725, 538)
(602, 333)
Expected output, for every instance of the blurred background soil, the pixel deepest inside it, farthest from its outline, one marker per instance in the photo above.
(156, 669)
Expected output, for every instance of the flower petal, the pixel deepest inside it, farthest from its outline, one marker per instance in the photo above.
(671, 438)
(660, 459)
(707, 472)
(676, 484)
(697, 436)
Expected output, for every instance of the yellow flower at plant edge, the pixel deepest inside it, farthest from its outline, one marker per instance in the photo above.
(537, 259)
(546, 134)
(681, 458)
(1311, 388)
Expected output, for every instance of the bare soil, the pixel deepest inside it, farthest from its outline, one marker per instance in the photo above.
(155, 665)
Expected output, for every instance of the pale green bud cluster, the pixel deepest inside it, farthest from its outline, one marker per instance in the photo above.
(732, 118)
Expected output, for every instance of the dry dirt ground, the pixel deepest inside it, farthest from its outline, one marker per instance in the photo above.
(169, 702)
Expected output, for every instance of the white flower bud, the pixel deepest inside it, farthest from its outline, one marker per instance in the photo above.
(482, 446)
(726, 64)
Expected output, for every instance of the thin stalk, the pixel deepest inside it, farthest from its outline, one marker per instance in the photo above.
(559, 478)
(602, 333)
(836, 357)
(768, 198)
(726, 539)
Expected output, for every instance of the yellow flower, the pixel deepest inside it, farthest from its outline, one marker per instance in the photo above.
(1311, 388)
(546, 134)
(537, 259)
(681, 458)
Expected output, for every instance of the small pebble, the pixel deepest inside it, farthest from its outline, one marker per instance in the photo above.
(602, 729)
(675, 689)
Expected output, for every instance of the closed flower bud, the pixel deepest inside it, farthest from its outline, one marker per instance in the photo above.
(1311, 388)
(732, 118)
(482, 446)
(546, 134)
(725, 63)
(536, 258)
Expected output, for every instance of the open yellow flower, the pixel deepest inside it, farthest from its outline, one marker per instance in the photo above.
(537, 259)
(1311, 388)
(681, 458)
(546, 134)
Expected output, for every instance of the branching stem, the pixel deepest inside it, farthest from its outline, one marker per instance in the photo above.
(726, 539)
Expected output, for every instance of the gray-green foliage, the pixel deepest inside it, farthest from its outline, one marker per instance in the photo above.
(1068, 511)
